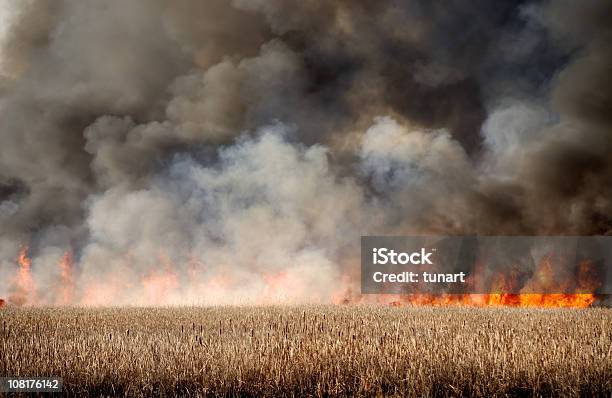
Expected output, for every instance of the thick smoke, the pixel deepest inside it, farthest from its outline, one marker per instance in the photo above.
(219, 152)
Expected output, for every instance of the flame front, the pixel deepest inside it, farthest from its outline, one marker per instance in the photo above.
(489, 300)
(166, 284)
(543, 279)
(159, 284)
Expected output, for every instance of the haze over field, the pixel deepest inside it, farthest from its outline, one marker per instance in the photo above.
(220, 152)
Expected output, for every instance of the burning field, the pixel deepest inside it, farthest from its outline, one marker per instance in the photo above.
(162, 287)
(184, 185)
(233, 152)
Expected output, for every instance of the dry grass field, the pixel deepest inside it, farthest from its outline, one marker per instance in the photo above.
(313, 350)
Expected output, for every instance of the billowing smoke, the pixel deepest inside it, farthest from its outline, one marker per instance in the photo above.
(177, 152)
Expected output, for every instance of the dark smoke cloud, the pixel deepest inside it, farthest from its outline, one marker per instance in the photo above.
(197, 128)
(568, 171)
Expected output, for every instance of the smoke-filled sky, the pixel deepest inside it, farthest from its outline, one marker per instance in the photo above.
(234, 151)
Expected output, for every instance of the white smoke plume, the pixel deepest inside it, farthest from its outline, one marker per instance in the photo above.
(215, 152)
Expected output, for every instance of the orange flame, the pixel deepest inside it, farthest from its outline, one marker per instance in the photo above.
(65, 294)
(104, 290)
(159, 284)
(279, 286)
(542, 280)
(165, 284)
(527, 300)
(101, 293)
(24, 288)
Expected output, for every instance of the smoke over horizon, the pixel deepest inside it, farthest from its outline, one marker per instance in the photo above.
(177, 152)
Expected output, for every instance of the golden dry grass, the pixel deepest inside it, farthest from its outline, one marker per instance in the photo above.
(314, 350)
